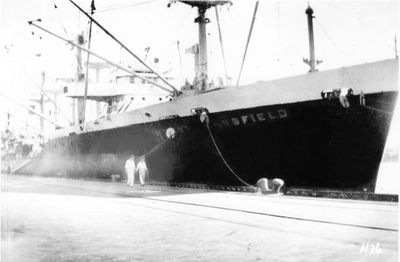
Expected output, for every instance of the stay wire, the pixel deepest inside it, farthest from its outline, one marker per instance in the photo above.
(221, 44)
(125, 5)
(356, 89)
(174, 90)
(67, 36)
(60, 20)
(39, 87)
(248, 41)
(100, 57)
(344, 55)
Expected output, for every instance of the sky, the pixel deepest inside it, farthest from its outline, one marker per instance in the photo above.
(346, 33)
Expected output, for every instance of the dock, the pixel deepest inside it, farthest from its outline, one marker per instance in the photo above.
(58, 219)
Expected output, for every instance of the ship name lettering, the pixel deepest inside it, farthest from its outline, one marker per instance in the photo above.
(244, 119)
(261, 117)
(282, 113)
(271, 116)
(253, 118)
(225, 123)
(256, 117)
(235, 121)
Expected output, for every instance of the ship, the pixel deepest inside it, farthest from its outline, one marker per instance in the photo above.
(322, 129)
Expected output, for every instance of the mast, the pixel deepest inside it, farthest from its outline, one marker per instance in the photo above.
(30, 109)
(222, 46)
(203, 70)
(202, 6)
(132, 72)
(42, 102)
(180, 61)
(311, 61)
(174, 90)
(79, 77)
(82, 114)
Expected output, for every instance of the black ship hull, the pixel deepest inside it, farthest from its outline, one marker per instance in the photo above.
(311, 144)
(287, 128)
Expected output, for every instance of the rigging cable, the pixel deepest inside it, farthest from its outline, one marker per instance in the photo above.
(26, 126)
(125, 5)
(30, 109)
(65, 31)
(347, 72)
(127, 49)
(100, 57)
(92, 9)
(248, 41)
(343, 53)
(60, 20)
(221, 44)
(40, 88)
(356, 89)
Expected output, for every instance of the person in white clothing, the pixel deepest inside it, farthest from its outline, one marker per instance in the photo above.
(141, 169)
(270, 186)
(130, 171)
(277, 184)
(262, 184)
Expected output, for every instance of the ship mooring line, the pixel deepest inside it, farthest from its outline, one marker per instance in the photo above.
(345, 70)
(272, 215)
(222, 157)
(378, 110)
(233, 209)
(231, 221)
(155, 148)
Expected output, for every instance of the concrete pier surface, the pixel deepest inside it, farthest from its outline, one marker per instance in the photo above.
(49, 219)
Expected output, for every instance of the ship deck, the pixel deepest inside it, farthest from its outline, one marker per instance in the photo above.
(50, 219)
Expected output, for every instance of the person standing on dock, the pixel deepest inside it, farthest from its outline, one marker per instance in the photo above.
(141, 168)
(130, 171)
